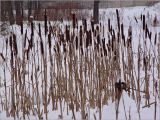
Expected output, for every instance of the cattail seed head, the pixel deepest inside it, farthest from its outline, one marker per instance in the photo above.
(109, 25)
(42, 49)
(74, 20)
(25, 38)
(15, 44)
(92, 25)
(39, 25)
(118, 20)
(49, 40)
(45, 23)
(144, 23)
(76, 42)
(155, 39)
(80, 36)
(10, 42)
(32, 29)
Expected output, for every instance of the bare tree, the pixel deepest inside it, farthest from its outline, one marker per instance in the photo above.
(7, 11)
(3, 11)
(19, 11)
(29, 9)
(96, 11)
(33, 5)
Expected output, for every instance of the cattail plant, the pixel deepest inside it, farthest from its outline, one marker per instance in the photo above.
(118, 20)
(75, 69)
(109, 25)
(67, 34)
(74, 20)
(32, 28)
(92, 25)
(155, 39)
(144, 22)
(85, 25)
(45, 23)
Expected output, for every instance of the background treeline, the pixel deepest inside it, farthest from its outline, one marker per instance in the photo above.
(14, 11)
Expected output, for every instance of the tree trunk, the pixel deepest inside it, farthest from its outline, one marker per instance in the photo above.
(3, 11)
(8, 10)
(29, 9)
(10, 13)
(37, 9)
(96, 12)
(18, 7)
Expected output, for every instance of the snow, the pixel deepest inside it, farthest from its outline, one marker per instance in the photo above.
(108, 111)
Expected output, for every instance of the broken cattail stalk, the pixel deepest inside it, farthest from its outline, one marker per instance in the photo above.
(148, 105)
(136, 19)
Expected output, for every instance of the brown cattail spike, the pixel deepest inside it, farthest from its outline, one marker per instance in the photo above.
(39, 25)
(10, 42)
(49, 40)
(32, 29)
(76, 42)
(109, 25)
(45, 23)
(74, 20)
(42, 49)
(80, 36)
(25, 38)
(155, 39)
(15, 44)
(144, 23)
(118, 20)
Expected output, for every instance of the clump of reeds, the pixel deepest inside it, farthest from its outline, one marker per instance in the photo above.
(84, 72)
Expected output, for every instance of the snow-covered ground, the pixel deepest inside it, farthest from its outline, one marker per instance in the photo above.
(127, 105)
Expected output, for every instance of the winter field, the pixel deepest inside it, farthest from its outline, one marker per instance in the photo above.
(68, 69)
